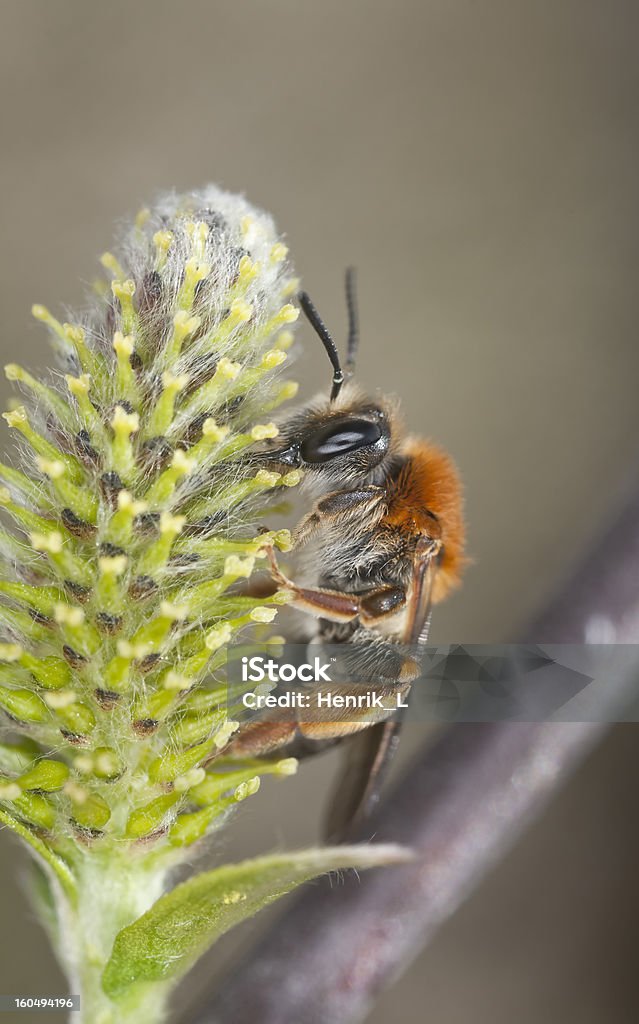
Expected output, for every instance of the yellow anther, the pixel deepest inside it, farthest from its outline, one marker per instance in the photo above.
(224, 733)
(284, 540)
(201, 232)
(56, 699)
(76, 793)
(9, 791)
(278, 252)
(287, 766)
(83, 763)
(163, 241)
(53, 468)
(13, 371)
(195, 271)
(266, 478)
(40, 312)
(288, 390)
(197, 231)
(235, 566)
(109, 262)
(74, 333)
(288, 314)
(175, 681)
(293, 478)
(240, 312)
(10, 652)
(262, 431)
(244, 790)
(184, 324)
(247, 270)
(16, 417)
(172, 383)
(174, 612)
(52, 543)
(182, 462)
(123, 422)
(106, 762)
(68, 616)
(130, 651)
(263, 614)
(214, 432)
(218, 637)
(171, 524)
(123, 292)
(142, 217)
(189, 779)
(123, 345)
(127, 501)
(112, 565)
(227, 370)
(274, 357)
(291, 287)
(190, 266)
(78, 385)
(284, 340)
(123, 289)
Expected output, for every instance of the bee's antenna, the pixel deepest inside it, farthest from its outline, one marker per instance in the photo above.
(353, 321)
(321, 330)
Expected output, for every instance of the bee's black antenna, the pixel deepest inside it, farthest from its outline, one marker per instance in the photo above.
(321, 330)
(353, 321)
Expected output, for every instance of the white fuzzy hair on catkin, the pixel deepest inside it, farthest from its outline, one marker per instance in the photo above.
(136, 497)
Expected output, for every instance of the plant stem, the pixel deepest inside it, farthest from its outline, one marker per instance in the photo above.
(114, 888)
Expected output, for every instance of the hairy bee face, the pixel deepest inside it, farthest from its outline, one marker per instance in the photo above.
(337, 442)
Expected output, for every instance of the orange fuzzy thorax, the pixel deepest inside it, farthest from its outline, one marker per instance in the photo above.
(428, 486)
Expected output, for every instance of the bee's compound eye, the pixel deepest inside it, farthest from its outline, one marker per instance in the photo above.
(339, 438)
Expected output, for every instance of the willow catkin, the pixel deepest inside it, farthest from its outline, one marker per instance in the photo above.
(132, 512)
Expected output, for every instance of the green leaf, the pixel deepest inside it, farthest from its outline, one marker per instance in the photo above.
(167, 940)
(59, 866)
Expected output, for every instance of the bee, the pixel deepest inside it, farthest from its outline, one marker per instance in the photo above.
(382, 541)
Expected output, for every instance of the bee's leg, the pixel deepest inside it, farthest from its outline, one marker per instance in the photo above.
(259, 739)
(339, 605)
(339, 506)
(329, 604)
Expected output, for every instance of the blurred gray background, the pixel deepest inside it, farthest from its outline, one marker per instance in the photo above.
(478, 163)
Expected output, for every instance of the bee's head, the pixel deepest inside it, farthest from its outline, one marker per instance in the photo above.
(346, 436)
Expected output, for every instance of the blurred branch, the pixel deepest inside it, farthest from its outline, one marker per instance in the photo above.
(461, 805)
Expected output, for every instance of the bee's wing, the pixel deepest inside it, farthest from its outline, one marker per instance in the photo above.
(370, 753)
(367, 758)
